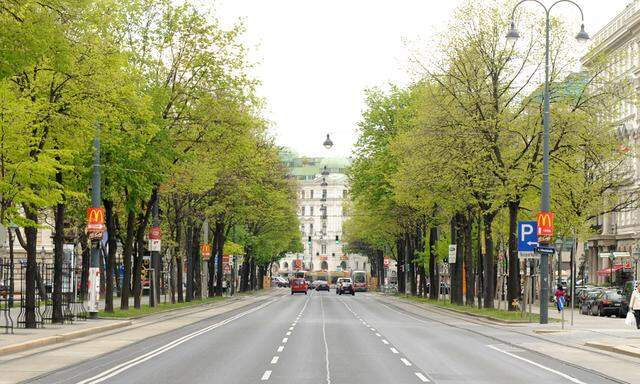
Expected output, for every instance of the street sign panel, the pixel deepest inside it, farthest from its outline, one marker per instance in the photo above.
(205, 251)
(297, 264)
(386, 263)
(545, 223)
(154, 245)
(527, 236)
(452, 253)
(545, 250)
(155, 233)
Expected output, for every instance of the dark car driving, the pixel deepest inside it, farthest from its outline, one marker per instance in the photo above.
(321, 285)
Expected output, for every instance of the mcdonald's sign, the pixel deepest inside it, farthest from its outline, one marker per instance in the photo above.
(545, 223)
(297, 264)
(95, 220)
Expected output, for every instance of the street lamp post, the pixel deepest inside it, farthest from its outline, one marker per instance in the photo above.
(545, 201)
(12, 228)
(636, 256)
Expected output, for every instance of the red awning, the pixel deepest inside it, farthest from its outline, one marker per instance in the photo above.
(608, 271)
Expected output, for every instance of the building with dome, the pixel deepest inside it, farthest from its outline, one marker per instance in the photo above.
(322, 192)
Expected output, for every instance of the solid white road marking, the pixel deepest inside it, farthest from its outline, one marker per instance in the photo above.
(570, 378)
(281, 348)
(394, 350)
(266, 375)
(284, 341)
(326, 346)
(289, 333)
(109, 373)
(406, 362)
(275, 359)
(385, 341)
(422, 377)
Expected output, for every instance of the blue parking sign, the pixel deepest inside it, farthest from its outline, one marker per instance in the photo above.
(527, 236)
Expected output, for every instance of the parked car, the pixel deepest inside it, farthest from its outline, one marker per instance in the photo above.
(299, 285)
(321, 285)
(610, 303)
(279, 281)
(584, 293)
(311, 284)
(587, 302)
(345, 285)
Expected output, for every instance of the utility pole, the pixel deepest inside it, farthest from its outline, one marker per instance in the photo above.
(95, 228)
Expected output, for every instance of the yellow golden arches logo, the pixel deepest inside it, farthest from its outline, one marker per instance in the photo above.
(95, 216)
(545, 223)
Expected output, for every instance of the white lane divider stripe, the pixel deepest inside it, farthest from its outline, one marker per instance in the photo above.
(289, 333)
(379, 335)
(275, 359)
(284, 341)
(422, 377)
(385, 341)
(394, 350)
(570, 378)
(291, 328)
(266, 375)
(281, 348)
(405, 361)
(141, 359)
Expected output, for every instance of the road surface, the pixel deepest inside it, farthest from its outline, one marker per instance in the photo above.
(323, 338)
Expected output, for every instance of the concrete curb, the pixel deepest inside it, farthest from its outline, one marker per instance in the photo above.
(169, 310)
(621, 349)
(20, 347)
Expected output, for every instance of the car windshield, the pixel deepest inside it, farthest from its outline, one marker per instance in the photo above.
(359, 278)
(613, 296)
(347, 281)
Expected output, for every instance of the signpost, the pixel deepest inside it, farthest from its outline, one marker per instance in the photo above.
(527, 238)
(386, 263)
(452, 253)
(205, 251)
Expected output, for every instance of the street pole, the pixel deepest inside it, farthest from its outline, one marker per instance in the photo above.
(154, 289)
(545, 200)
(11, 266)
(94, 262)
(611, 269)
(573, 273)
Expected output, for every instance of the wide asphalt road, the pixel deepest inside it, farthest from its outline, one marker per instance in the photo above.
(322, 338)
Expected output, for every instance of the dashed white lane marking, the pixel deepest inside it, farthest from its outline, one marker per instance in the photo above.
(291, 328)
(266, 375)
(281, 348)
(405, 361)
(289, 333)
(422, 377)
(379, 335)
(373, 329)
(284, 341)
(275, 359)
(394, 350)
(570, 378)
(109, 373)
(385, 341)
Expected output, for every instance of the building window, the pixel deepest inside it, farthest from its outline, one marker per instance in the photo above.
(324, 266)
(311, 194)
(303, 210)
(302, 194)
(311, 211)
(324, 193)
(311, 229)
(324, 248)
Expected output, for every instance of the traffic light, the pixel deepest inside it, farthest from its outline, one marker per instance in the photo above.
(309, 241)
(337, 240)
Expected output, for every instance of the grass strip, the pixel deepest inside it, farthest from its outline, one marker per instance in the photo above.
(146, 310)
(493, 313)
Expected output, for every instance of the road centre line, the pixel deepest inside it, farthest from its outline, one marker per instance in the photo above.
(275, 359)
(284, 341)
(281, 348)
(288, 333)
(266, 375)
(570, 378)
(140, 359)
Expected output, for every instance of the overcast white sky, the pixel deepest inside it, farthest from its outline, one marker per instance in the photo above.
(315, 58)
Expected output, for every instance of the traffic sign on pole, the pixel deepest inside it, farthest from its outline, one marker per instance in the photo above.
(527, 236)
(452, 253)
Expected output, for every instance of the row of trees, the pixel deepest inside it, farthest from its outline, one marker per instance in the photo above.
(179, 124)
(455, 157)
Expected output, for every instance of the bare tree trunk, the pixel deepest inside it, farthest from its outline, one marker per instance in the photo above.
(434, 272)
(219, 237)
(127, 253)
(57, 315)
(400, 264)
(489, 265)
(111, 254)
(468, 256)
(479, 261)
(31, 234)
(513, 282)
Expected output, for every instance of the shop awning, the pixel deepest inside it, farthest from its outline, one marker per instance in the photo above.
(608, 271)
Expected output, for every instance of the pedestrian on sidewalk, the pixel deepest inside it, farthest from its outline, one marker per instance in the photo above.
(634, 305)
(560, 297)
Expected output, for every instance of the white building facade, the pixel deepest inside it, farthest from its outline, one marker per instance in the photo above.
(619, 232)
(322, 193)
